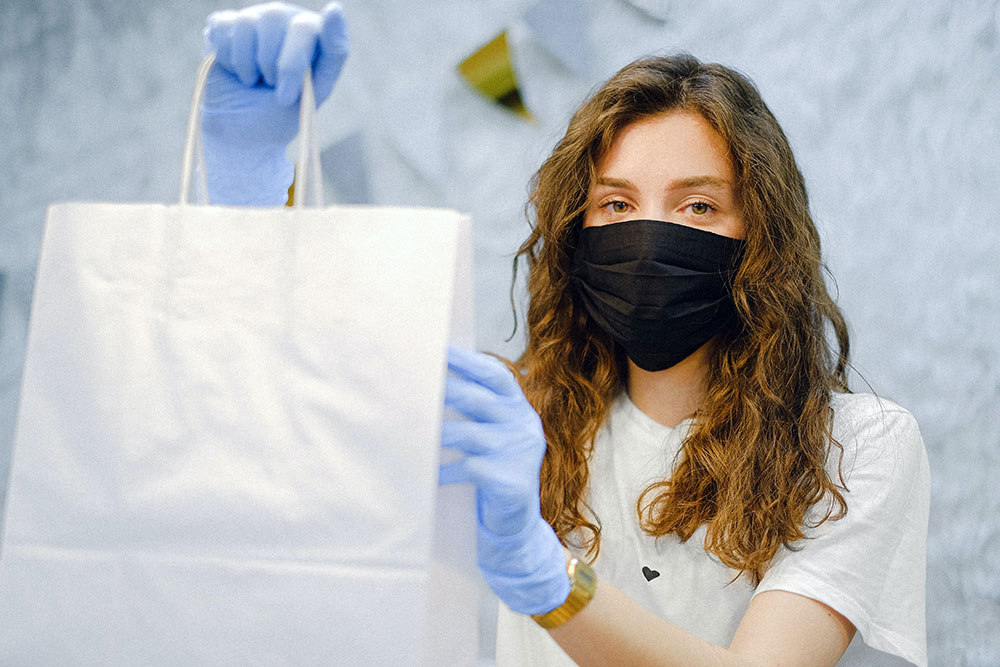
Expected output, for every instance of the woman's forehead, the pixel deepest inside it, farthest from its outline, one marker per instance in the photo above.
(670, 146)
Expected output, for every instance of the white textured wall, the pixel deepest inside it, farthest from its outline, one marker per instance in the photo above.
(892, 109)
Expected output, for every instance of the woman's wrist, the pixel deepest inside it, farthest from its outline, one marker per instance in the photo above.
(583, 585)
(526, 570)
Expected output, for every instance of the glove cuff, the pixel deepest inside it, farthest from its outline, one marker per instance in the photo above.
(526, 570)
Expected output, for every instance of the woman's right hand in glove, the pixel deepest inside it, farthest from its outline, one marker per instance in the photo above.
(250, 111)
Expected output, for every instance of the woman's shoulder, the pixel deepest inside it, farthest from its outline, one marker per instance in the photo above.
(877, 436)
(860, 406)
(869, 564)
(854, 414)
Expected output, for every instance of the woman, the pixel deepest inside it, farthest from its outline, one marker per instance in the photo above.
(691, 425)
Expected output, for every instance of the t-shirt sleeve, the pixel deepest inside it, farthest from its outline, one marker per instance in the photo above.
(870, 565)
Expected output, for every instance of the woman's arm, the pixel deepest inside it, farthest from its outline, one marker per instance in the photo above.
(522, 561)
(779, 628)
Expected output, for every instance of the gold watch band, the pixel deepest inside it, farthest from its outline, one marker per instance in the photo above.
(583, 583)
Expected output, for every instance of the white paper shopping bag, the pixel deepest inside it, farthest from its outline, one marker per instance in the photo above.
(228, 441)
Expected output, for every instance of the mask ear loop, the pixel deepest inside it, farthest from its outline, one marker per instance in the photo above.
(309, 173)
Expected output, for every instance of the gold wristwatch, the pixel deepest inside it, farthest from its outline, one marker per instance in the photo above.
(583, 583)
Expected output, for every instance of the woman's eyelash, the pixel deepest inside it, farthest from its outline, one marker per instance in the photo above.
(706, 207)
(610, 205)
(697, 207)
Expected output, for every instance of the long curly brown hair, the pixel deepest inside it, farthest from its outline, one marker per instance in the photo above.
(755, 459)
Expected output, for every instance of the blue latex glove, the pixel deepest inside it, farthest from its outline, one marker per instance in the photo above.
(520, 556)
(250, 111)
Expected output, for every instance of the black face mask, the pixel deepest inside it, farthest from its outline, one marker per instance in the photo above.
(659, 289)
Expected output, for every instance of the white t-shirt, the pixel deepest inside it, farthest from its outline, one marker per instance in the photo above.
(869, 565)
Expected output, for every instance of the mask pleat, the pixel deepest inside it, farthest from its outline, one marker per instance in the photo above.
(659, 289)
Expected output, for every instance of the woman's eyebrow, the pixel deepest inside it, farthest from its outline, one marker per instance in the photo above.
(686, 183)
(610, 182)
(698, 182)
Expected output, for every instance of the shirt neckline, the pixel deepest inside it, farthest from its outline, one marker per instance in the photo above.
(647, 423)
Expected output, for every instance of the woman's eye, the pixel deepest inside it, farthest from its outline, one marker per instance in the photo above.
(617, 206)
(700, 208)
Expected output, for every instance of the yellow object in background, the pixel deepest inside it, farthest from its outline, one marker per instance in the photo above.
(491, 72)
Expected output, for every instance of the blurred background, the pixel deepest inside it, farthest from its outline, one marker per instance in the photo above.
(893, 110)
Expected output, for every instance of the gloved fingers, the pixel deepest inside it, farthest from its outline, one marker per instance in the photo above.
(471, 438)
(487, 474)
(453, 473)
(243, 49)
(272, 22)
(483, 369)
(218, 29)
(297, 53)
(334, 46)
(475, 401)
(232, 36)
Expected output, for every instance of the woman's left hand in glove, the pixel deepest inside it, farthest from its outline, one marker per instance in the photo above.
(503, 444)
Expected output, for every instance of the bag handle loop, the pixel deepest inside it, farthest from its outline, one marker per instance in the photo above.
(308, 173)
